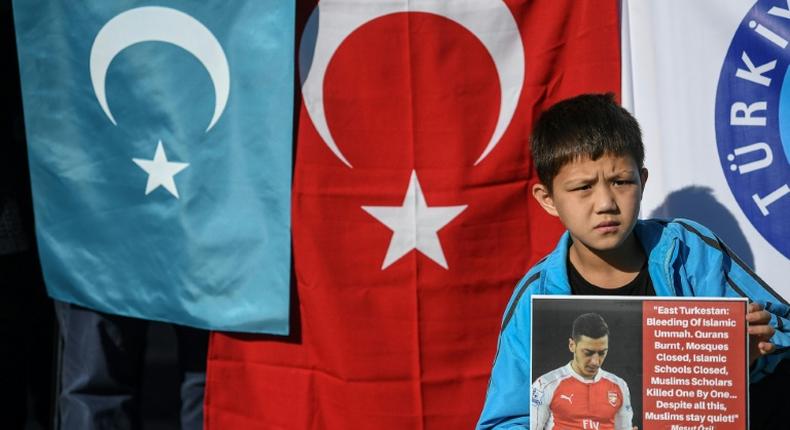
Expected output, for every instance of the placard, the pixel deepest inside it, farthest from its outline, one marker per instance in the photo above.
(654, 363)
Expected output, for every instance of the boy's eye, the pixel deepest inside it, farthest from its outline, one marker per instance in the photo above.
(621, 182)
(582, 187)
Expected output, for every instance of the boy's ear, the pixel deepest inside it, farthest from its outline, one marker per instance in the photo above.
(543, 196)
(643, 177)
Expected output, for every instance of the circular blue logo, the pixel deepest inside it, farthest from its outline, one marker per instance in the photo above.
(753, 120)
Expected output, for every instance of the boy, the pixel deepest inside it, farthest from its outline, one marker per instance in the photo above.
(589, 157)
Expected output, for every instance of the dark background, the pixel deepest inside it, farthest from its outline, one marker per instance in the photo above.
(552, 321)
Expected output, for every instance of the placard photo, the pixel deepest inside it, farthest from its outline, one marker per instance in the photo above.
(652, 363)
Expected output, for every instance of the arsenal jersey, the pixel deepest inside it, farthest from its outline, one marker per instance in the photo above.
(563, 400)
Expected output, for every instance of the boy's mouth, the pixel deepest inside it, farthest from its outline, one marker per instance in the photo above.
(607, 226)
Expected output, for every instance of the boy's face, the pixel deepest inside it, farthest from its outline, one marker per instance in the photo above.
(596, 200)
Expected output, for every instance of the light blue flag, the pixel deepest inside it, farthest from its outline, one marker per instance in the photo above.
(160, 141)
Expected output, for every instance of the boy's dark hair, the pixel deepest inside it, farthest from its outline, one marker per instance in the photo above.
(591, 325)
(589, 125)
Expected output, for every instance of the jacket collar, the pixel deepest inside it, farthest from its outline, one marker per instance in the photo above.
(659, 244)
(652, 236)
(555, 280)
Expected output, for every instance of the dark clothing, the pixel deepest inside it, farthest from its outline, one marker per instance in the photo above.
(639, 286)
(101, 370)
(769, 403)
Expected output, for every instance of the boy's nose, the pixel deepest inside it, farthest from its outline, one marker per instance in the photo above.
(604, 200)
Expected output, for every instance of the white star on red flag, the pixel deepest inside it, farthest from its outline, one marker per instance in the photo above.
(414, 225)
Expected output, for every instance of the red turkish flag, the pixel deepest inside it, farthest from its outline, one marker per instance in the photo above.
(412, 213)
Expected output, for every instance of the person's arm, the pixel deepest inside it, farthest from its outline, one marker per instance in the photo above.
(624, 418)
(769, 326)
(507, 404)
(540, 402)
(760, 332)
(508, 397)
(769, 339)
(769, 332)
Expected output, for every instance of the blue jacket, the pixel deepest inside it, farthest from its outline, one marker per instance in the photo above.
(684, 259)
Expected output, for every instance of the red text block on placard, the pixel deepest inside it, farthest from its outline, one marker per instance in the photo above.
(694, 365)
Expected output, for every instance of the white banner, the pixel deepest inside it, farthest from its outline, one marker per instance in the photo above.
(705, 80)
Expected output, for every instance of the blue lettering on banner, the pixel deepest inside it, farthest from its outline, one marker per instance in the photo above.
(753, 120)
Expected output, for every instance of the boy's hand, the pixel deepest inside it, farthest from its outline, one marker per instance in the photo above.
(759, 332)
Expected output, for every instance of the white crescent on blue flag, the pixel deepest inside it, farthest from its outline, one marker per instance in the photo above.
(160, 146)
